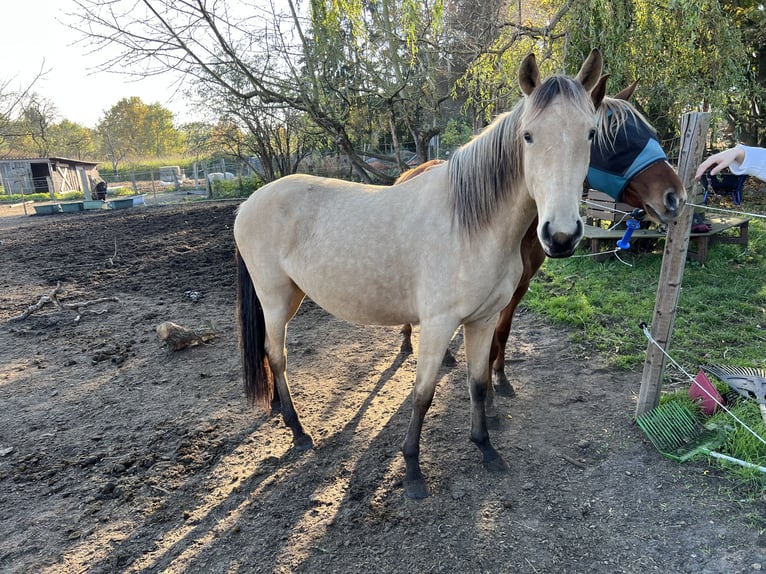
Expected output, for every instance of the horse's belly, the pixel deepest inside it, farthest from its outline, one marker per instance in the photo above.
(361, 301)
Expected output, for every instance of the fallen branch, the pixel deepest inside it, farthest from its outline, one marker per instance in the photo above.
(52, 298)
(42, 302)
(84, 304)
(177, 337)
(113, 257)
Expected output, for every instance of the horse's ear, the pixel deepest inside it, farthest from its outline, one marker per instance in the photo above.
(590, 71)
(597, 94)
(529, 74)
(627, 92)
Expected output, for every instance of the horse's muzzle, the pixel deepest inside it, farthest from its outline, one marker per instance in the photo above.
(560, 244)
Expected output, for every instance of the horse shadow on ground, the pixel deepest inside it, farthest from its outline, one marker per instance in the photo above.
(262, 491)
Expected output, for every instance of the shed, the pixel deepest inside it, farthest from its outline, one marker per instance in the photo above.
(47, 175)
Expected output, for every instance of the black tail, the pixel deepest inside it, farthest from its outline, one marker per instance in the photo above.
(259, 379)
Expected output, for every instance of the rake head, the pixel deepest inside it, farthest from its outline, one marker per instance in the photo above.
(748, 382)
(676, 432)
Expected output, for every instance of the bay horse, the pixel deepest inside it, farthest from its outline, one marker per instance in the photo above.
(627, 163)
(415, 253)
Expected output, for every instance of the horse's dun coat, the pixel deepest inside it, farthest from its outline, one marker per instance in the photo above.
(442, 250)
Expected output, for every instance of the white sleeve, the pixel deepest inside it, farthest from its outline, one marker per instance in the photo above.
(754, 163)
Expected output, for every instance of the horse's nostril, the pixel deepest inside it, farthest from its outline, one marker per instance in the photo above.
(672, 200)
(545, 231)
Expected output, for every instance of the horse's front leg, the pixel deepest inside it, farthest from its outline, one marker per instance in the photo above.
(478, 339)
(434, 339)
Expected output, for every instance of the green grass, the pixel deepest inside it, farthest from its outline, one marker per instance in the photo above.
(720, 319)
(721, 314)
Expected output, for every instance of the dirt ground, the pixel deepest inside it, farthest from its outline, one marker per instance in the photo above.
(117, 455)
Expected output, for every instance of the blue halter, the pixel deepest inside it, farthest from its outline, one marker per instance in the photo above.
(612, 166)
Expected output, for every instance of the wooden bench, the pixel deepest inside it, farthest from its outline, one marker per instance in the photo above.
(601, 208)
(699, 243)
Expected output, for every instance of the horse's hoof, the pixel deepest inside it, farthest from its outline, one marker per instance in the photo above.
(496, 465)
(449, 359)
(303, 443)
(406, 348)
(503, 386)
(415, 489)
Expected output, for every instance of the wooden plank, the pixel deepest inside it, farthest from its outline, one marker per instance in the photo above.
(717, 225)
(694, 127)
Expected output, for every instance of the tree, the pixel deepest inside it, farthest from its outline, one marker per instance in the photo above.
(132, 129)
(12, 101)
(352, 68)
(72, 140)
(38, 115)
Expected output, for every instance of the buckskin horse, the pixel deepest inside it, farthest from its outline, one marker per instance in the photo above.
(627, 163)
(442, 250)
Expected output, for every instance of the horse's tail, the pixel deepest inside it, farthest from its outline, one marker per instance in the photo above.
(259, 379)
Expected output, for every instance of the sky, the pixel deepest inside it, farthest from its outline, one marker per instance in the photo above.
(33, 35)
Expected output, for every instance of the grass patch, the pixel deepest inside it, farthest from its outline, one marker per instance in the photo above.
(720, 319)
(721, 314)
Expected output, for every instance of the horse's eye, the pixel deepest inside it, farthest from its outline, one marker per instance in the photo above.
(591, 135)
(527, 137)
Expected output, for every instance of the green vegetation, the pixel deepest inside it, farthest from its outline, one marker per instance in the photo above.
(721, 318)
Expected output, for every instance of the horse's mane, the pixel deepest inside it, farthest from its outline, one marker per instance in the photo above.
(611, 117)
(485, 171)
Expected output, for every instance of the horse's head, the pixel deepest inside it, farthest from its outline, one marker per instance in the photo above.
(628, 163)
(557, 126)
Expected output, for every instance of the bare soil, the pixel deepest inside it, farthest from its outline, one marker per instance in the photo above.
(118, 455)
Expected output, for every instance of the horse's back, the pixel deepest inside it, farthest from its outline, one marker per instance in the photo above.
(355, 249)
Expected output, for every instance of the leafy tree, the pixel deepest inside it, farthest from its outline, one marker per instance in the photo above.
(12, 101)
(30, 132)
(132, 129)
(351, 67)
(72, 140)
(456, 133)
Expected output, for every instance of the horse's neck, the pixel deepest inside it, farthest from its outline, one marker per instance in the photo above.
(514, 217)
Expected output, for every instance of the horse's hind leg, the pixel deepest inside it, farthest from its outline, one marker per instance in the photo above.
(276, 317)
(533, 256)
(406, 332)
(478, 339)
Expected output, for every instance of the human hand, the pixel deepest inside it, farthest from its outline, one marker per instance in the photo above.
(720, 161)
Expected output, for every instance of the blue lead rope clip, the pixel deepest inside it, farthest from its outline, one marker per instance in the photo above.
(633, 223)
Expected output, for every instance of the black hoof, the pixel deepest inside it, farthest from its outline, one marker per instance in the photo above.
(503, 386)
(496, 465)
(415, 489)
(303, 443)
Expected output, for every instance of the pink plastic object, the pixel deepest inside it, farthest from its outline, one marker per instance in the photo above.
(703, 392)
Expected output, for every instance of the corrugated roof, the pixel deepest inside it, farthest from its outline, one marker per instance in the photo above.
(49, 159)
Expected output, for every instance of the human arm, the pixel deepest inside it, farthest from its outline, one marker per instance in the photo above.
(741, 160)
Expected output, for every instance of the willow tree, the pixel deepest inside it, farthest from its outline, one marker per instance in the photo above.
(354, 68)
(688, 54)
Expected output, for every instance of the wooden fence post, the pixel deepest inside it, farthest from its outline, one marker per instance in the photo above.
(694, 128)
